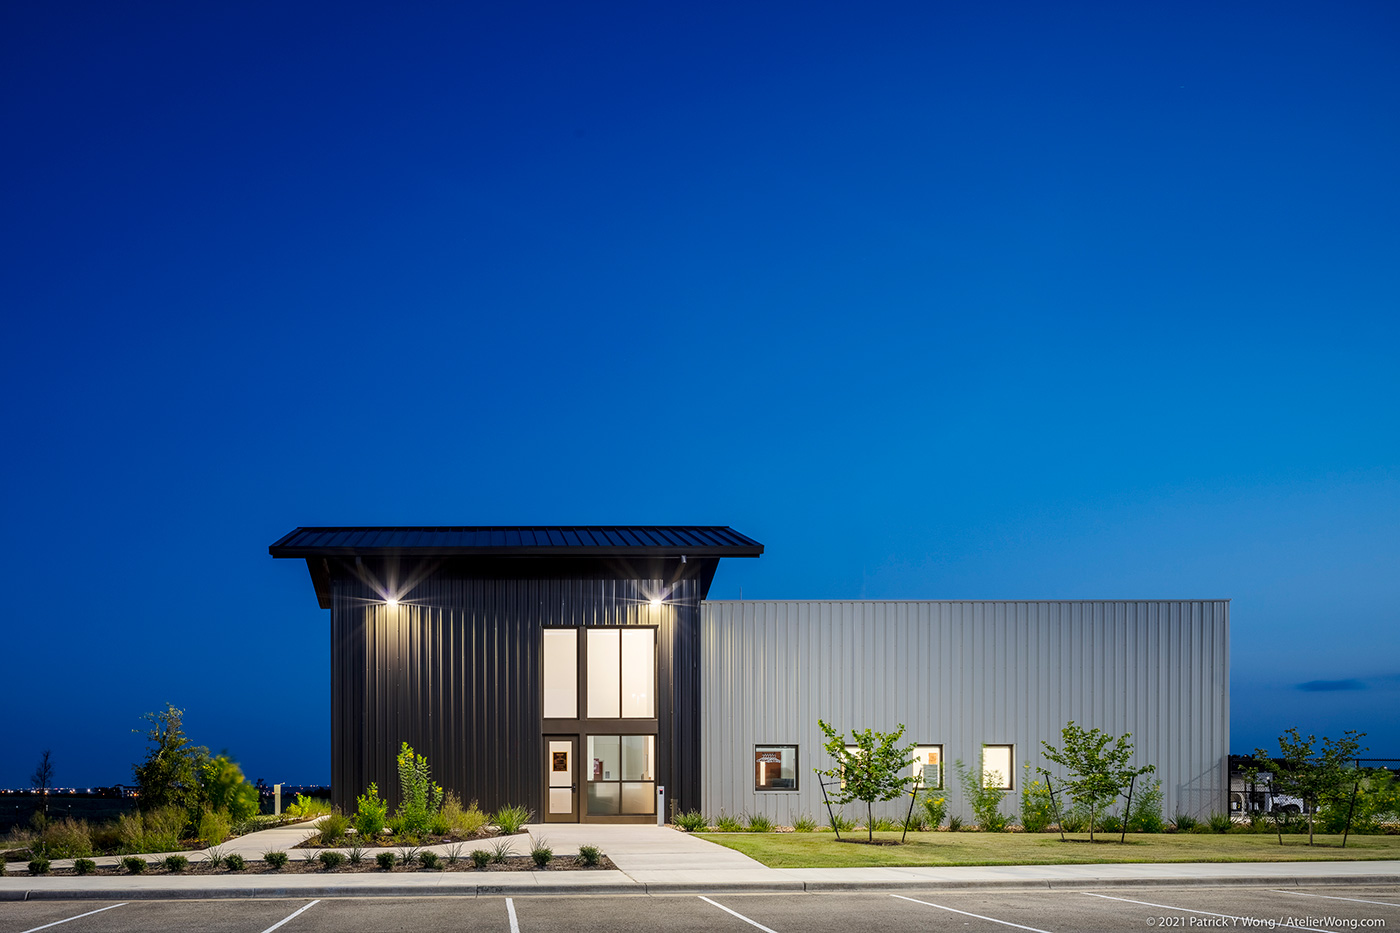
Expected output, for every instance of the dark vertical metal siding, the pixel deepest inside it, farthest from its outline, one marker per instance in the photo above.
(454, 671)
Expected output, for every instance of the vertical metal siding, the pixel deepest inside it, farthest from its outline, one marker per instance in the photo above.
(963, 674)
(454, 671)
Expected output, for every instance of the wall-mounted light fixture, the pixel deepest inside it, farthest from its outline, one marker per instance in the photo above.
(656, 600)
(391, 601)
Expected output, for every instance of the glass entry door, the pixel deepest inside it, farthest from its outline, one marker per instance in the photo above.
(561, 779)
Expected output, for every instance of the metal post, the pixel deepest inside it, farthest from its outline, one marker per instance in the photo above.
(1351, 809)
(1058, 820)
(913, 796)
(1127, 812)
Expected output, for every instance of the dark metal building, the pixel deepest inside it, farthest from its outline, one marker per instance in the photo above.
(510, 656)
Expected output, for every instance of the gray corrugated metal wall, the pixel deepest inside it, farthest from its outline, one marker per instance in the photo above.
(454, 671)
(963, 674)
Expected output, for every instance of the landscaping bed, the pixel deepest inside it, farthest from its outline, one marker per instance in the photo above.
(260, 869)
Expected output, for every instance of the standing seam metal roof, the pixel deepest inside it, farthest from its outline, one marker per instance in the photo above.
(521, 540)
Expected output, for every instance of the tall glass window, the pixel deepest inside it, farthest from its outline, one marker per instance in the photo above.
(622, 673)
(621, 775)
(560, 673)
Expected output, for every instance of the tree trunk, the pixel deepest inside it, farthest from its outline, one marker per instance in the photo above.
(869, 832)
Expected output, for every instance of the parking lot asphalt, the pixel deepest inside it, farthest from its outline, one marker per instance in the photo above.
(1318, 907)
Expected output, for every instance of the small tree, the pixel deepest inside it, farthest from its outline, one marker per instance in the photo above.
(170, 773)
(1312, 774)
(870, 769)
(1097, 764)
(42, 779)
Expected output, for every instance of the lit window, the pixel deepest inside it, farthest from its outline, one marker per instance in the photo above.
(622, 673)
(561, 673)
(997, 766)
(775, 767)
(621, 775)
(928, 765)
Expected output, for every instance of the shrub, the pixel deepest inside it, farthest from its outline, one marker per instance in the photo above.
(306, 807)
(511, 820)
(66, 838)
(955, 824)
(214, 827)
(480, 858)
(440, 825)
(935, 807)
(385, 861)
(356, 854)
(84, 866)
(420, 797)
(227, 790)
(1037, 812)
(758, 823)
(691, 821)
(590, 856)
(370, 812)
(1111, 823)
(1184, 822)
(176, 863)
(38, 865)
(332, 828)
(469, 821)
(1220, 822)
(985, 801)
(429, 860)
(500, 851)
(163, 827)
(134, 864)
(541, 853)
(1074, 820)
(275, 860)
(1146, 813)
(234, 862)
(728, 824)
(804, 824)
(331, 860)
(883, 824)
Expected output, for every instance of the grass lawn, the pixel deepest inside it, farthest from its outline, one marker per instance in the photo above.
(821, 850)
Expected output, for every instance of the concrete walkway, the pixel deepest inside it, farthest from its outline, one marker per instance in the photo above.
(654, 860)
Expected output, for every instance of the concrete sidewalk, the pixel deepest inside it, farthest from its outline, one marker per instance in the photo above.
(658, 860)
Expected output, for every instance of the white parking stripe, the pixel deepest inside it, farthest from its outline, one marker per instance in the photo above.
(1330, 897)
(79, 917)
(739, 915)
(292, 915)
(510, 909)
(1007, 923)
(1253, 921)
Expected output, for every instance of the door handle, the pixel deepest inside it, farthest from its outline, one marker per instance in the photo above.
(573, 788)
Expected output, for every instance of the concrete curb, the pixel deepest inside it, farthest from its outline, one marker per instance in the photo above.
(676, 888)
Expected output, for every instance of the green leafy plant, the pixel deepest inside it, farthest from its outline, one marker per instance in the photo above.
(454, 853)
(840, 822)
(758, 823)
(984, 795)
(804, 824)
(84, 866)
(728, 824)
(935, 808)
(885, 824)
(234, 862)
(176, 863)
(225, 789)
(306, 807)
(541, 853)
(955, 824)
(65, 838)
(134, 864)
(275, 860)
(1184, 822)
(440, 825)
(371, 812)
(1219, 822)
(356, 855)
(468, 821)
(214, 827)
(332, 828)
(1312, 771)
(213, 858)
(691, 821)
(511, 820)
(590, 856)
(429, 860)
(871, 770)
(1373, 804)
(408, 855)
(38, 865)
(1037, 811)
(1146, 813)
(500, 851)
(169, 775)
(1098, 766)
(385, 861)
(420, 798)
(1111, 823)
(480, 858)
(331, 860)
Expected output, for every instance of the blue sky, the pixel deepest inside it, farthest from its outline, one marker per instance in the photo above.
(935, 300)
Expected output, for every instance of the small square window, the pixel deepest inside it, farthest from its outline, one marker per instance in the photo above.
(928, 765)
(775, 767)
(997, 766)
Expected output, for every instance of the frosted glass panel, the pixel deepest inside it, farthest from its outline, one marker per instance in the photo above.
(561, 800)
(603, 799)
(604, 687)
(638, 758)
(639, 673)
(996, 766)
(639, 798)
(560, 674)
(604, 758)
